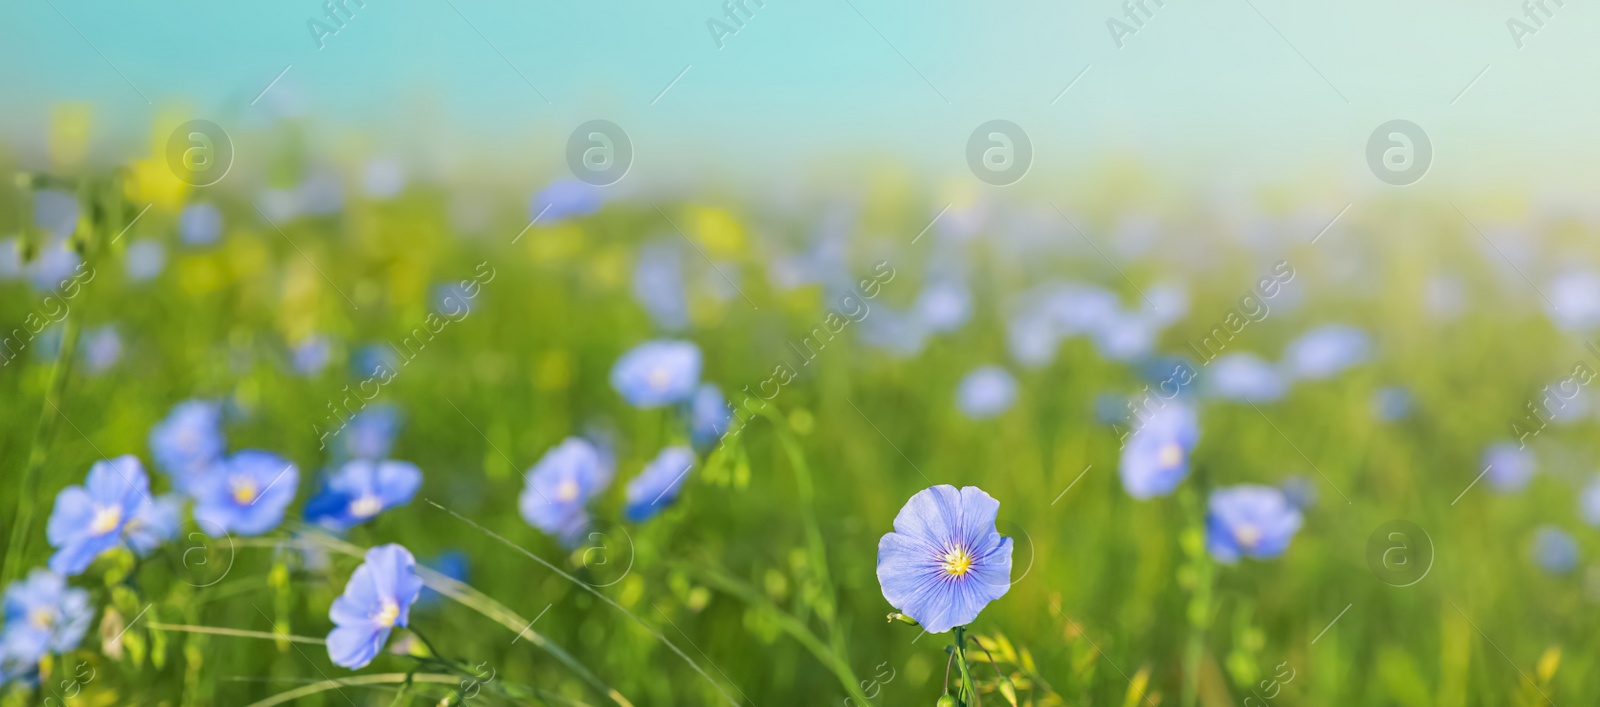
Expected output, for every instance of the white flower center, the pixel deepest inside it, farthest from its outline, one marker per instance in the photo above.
(42, 617)
(568, 490)
(1170, 455)
(387, 615)
(957, 561)
(366, 506)
(1247, 534)
(106, 519)
(658, 378)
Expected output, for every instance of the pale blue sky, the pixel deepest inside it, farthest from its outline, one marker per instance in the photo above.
(1207, 91)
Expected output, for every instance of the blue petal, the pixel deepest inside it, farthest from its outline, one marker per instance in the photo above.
(354, 647)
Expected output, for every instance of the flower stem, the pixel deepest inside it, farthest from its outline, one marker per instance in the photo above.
(22, 527)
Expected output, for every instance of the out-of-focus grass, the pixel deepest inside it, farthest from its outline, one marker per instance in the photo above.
(731, 574)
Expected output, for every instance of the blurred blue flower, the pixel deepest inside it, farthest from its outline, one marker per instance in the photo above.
(1391, 403)
(1575, 300)
(200, 224)
(657, 373)
(371, 360)
(944, 306)
(900, 334)
(55, 262)
(986, 392)
(1126, 337)
(377, 599)
(321, 194)
(1155, 457)
(1326, 350)
(1508, 468)
(709, 416)
(1445, 297)
(145, 259)
(311, 354)
(1111, 409)
(945, 561)
(564, 198)
(1080, 309)
(154, 522)
(1589, 502)
(88, 520)
(383, 178)
(1032, 337)
(1301, 491)
(560, 485)
(101, 348)
(1554, 550)
(188, 442)
(370, 433)
(1169, 300)
(450, 563)
(56, 211)
(1250, 521)
(360, 490)
(10, 262)
(658, 285)
(657, 486)
(1246, 378)
(246, 494)
(43, 616)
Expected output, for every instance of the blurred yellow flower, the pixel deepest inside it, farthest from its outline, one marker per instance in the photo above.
(717, 230)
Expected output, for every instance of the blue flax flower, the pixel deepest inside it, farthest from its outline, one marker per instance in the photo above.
(1156, 456)
(560, 485)
(88, 520)
(1507, 468)
(188, 442)
(658, 285)
(450, 563)
(199, 224)
(370, 433)
(945, 561)
(986, 392)
(360, 490)
(43, 616)
(1554, 550)
(944, 306)
(1245, 377)
(564, 198)
(247, 494)
(155, 521)
(709, 415)
(657, 486)
(1250, 521)
(1326, 350)
(657, 373)
(377, 599)
(1589, 502)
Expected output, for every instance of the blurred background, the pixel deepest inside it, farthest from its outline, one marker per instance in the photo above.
(909, 246)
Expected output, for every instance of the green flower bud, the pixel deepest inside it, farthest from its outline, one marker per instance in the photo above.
(902, 618)
(945, 700)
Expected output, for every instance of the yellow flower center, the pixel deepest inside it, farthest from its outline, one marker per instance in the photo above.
(105, 520)
(366, 506)
(42, 617)
(388, 614)
(1247, 534)
(957, 562)
(244, 491)
(1170, 455)
(658, 378)
(568, 490)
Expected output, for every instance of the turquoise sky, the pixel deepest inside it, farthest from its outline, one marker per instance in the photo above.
(1215, 92)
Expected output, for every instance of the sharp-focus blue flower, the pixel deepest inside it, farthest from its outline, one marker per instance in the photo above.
(450, 563)
(1554, 550)
(145, 260)
(200, 224)
(154, 522)
(658, 285)
(560, 485)
(101, 348)
(1391, 403)
(88, 519)
(1507, 468)
(362, 489)
(945, 560)
(377, 599)
(657, 373)
(1589, 503)
(246, 494)
(1244, 377)
(188, 443)
(1250, 521)
(370, 433)
(986, 392)
(1155, 457)
(1575, 300)
(311, 354)
(709, 416)
(944, 306)
(1325, 351)
(657, 486)
(563, 198)
(43, 616)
